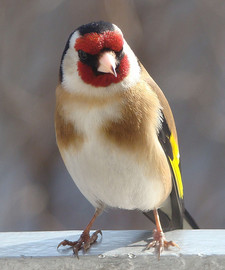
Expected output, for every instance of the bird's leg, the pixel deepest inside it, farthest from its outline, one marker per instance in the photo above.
(159, 240)
(85, 240)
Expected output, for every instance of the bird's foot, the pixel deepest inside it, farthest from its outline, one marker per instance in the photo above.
(159, 242)
(84, 242)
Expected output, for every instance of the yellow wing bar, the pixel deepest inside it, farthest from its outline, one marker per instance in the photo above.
(175, 165)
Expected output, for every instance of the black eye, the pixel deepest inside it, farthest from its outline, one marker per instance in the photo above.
(120, 55)
(82, 55)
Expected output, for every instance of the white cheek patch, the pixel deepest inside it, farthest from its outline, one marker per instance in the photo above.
(69, 65)
(134, 72)
(69, 69)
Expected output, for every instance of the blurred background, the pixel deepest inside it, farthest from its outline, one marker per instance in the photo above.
(182, 45)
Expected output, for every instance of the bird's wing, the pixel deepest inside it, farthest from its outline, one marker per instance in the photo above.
(172, 214)
(175, 201)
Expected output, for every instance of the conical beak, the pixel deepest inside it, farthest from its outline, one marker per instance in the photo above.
(107, 63)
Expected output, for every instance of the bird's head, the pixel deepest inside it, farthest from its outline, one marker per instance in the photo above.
(96, 56)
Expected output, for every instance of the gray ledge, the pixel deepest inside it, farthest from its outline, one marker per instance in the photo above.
(199, 249)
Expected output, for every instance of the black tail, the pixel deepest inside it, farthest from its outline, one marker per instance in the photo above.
(190, 220)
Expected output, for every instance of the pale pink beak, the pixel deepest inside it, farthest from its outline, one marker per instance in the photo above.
(107, 63)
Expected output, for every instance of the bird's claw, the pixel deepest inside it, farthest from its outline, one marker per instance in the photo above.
(159, 242)
(84, 242)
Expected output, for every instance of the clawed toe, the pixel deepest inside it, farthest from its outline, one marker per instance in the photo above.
(66, 243)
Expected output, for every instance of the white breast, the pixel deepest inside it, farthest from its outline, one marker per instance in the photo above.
(106, 174)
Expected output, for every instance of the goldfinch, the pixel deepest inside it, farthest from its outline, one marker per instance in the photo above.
(116, 133)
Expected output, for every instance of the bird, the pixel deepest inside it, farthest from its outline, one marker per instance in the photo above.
(116, 134)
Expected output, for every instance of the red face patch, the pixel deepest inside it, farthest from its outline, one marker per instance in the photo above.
(93, 43)
(87, 75)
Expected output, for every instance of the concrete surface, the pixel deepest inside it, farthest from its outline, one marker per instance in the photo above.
(199, 249)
